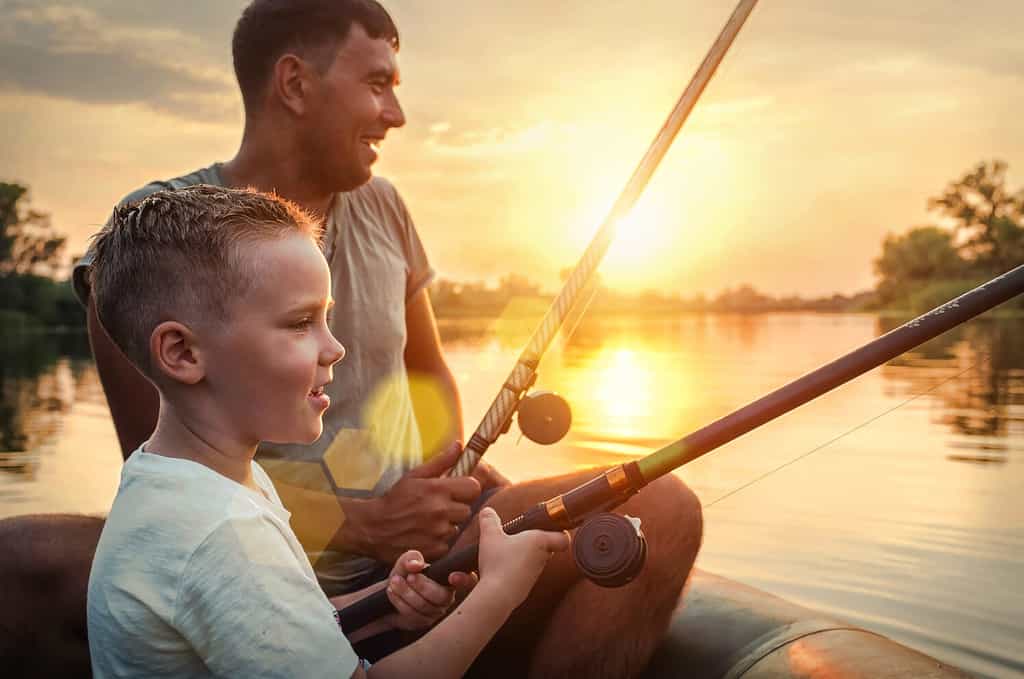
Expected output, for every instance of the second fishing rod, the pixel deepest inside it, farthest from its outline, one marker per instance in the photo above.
(546, 418)
(609, 548)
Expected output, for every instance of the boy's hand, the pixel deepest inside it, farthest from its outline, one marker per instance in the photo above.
(422, 511)
(511, 564)
(420, 601)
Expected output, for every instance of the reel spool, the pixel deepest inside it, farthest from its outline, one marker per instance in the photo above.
(544, 417)
(610, 549)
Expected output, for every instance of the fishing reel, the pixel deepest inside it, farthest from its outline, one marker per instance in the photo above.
(544, 417)
(610, 549)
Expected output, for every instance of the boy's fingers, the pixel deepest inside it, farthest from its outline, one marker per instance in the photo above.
(463, 582)
(432, 592)
(410, 562)
(489, 521)
(555, 541)
(413, 619)
(399, 589)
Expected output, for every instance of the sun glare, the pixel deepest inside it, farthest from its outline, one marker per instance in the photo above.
(638, 236)
(671, 223)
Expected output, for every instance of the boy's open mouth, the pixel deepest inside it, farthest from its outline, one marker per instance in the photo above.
(316, 391)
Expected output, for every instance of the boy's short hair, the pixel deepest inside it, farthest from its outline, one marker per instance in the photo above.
(175, 255)
(311, 29)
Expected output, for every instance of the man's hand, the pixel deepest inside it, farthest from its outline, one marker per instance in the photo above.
(422, 511)
(488, 476)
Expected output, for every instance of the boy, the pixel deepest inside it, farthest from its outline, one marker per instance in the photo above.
(197, 572)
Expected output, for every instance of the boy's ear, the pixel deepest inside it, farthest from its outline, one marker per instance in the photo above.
(175, 353)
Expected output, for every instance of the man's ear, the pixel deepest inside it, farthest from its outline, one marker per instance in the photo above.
(175, 353)
(292, 83)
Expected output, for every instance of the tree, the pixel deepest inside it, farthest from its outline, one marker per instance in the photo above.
(914, 259)
(988, 217)
(28, 242)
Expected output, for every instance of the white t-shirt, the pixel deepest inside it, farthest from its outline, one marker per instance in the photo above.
(370, 437)
(196, 575)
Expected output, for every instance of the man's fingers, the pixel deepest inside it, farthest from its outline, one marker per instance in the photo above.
(458, 513)
(437, 549)
(462, 488)
(437, 465)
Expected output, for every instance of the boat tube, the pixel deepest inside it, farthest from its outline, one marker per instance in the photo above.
(725, 630)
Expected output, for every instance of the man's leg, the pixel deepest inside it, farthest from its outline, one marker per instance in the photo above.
(44, 574)
(571, 627)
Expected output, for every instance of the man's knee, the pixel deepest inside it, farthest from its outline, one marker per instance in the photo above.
(675, 502)
(672, 520)
(44, 573)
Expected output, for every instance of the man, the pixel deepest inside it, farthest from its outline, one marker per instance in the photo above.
(318, 81)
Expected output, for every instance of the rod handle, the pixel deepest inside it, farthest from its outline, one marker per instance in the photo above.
(377, 605)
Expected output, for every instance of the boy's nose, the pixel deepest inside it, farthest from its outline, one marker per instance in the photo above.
(335, 352)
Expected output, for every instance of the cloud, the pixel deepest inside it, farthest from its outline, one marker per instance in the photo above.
(70, 52)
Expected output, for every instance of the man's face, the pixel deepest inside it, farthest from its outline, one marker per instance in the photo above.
(354, 107)
(268, 365)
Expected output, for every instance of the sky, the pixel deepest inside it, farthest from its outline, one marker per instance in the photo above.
(829, 124)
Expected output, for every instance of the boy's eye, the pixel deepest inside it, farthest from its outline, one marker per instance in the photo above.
(303, 323)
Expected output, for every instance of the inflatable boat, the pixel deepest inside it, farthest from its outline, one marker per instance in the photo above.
(726, 630)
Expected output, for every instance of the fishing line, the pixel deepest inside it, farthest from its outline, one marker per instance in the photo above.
(844, 434)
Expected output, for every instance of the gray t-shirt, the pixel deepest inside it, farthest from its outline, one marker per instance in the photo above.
(370, 438)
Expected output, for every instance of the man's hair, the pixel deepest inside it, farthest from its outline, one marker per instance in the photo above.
(176, 255)
(311, 29)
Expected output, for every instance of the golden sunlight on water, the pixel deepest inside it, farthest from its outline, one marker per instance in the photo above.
(901, 513)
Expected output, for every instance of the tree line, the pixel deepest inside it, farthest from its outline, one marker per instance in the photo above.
(31, 261)
(979, 234)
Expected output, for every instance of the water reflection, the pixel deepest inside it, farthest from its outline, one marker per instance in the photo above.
(39, 376)
(911, 525)
(977, 371)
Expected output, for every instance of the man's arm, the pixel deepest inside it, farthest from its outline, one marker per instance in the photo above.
(422, 511)
(133, 401)
(424, 356)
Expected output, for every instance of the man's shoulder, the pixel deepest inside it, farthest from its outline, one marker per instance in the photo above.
(206, 175)
(378, 192)
(379, 199)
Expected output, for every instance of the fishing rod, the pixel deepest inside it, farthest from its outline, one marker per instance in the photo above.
(609, 548)
(545, 417)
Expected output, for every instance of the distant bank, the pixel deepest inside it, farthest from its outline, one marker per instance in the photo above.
(979, 234)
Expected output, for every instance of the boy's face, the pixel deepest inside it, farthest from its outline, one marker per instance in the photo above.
(267, 365)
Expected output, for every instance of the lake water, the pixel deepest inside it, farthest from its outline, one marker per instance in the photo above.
(911, 524)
